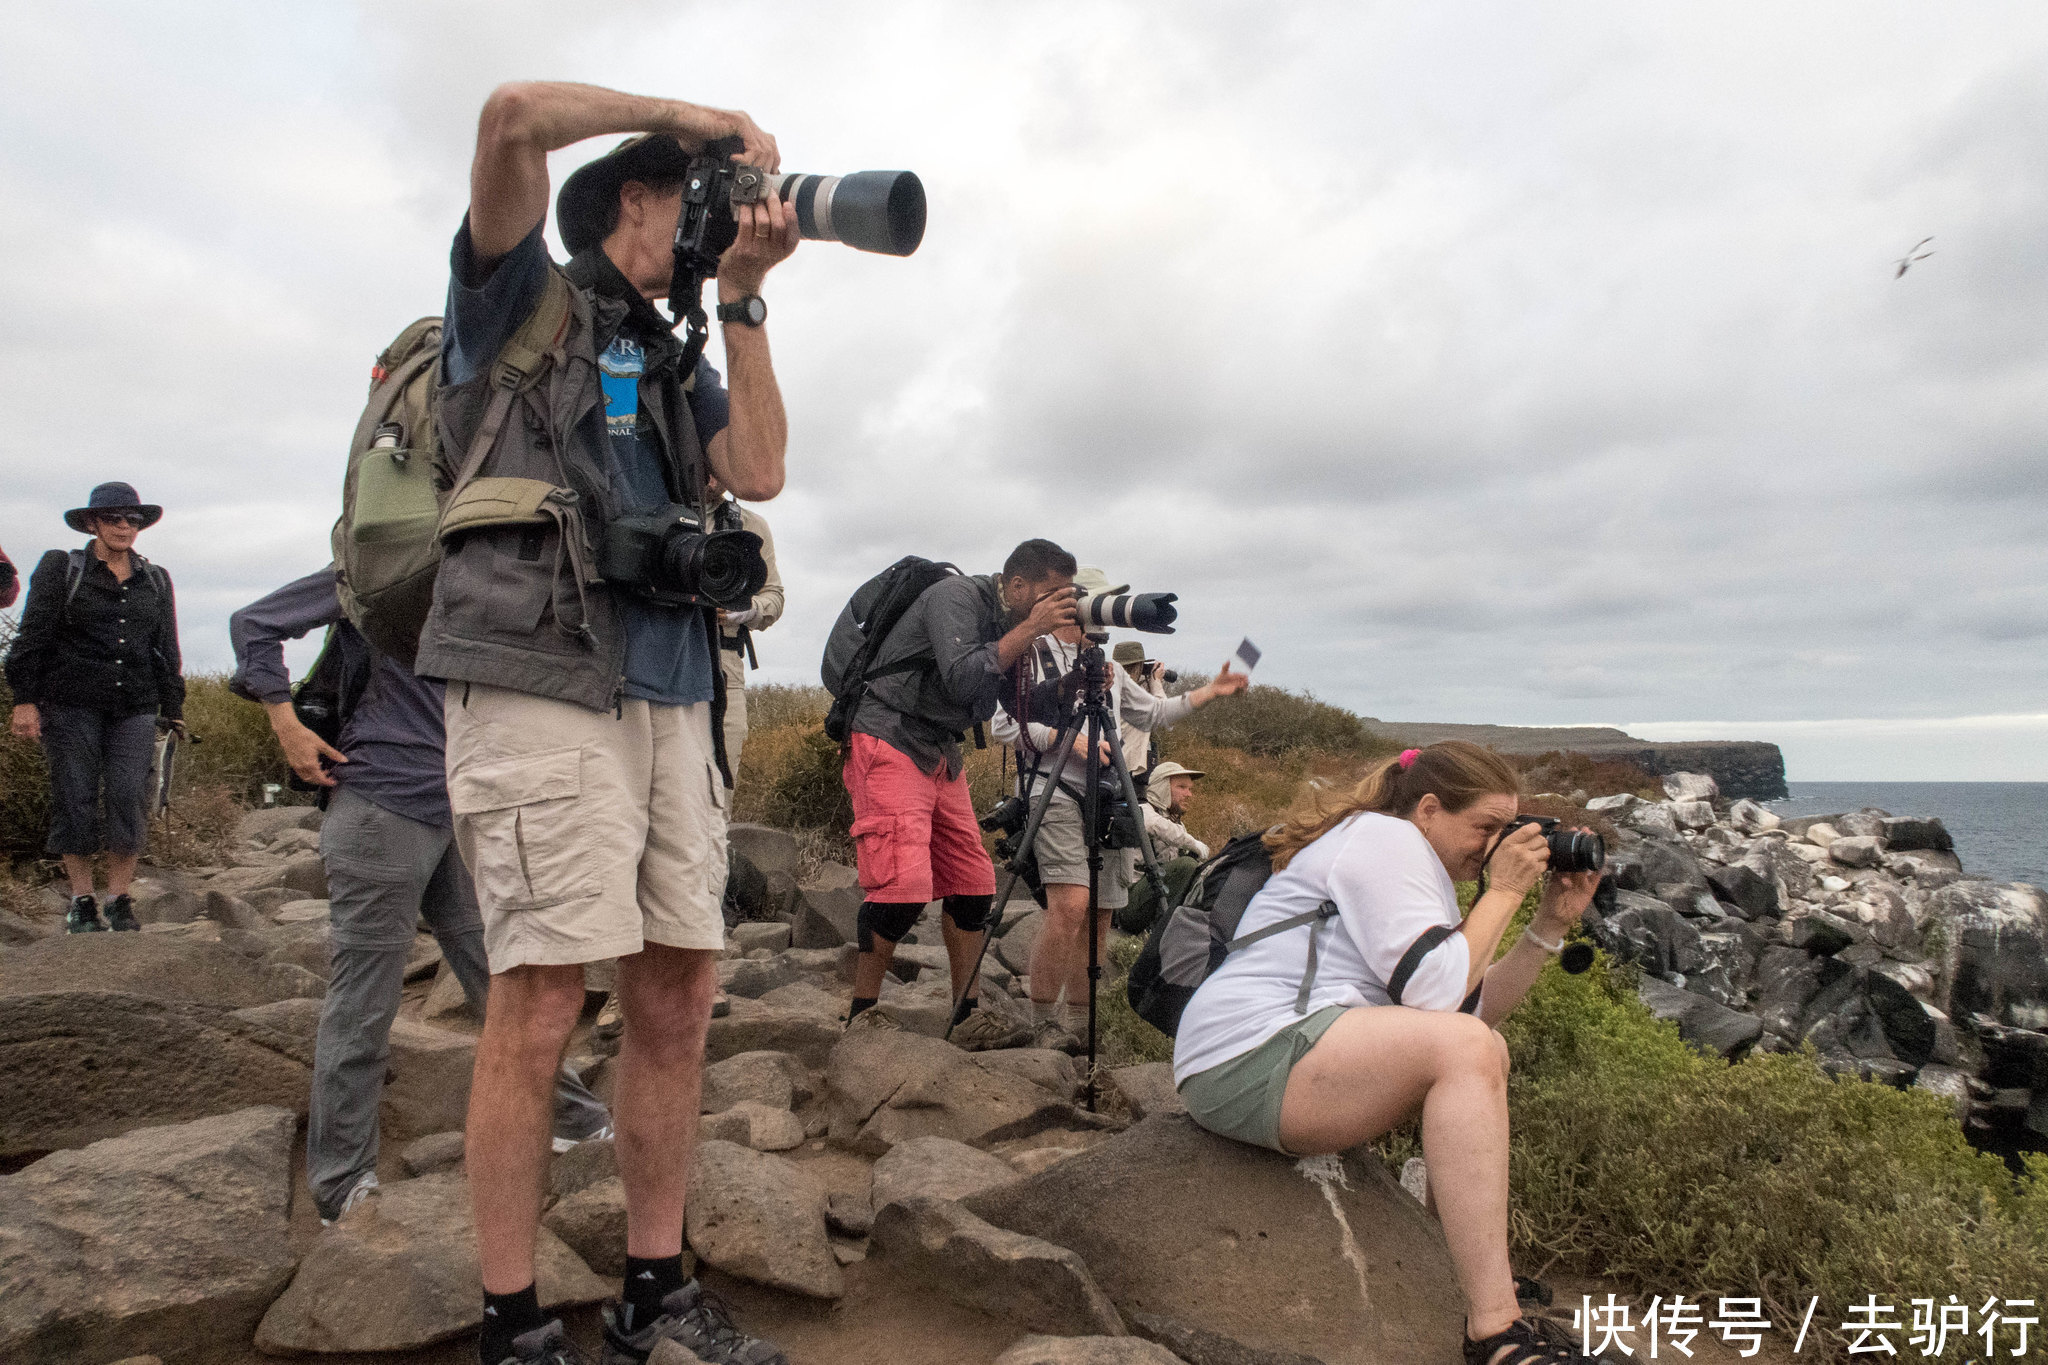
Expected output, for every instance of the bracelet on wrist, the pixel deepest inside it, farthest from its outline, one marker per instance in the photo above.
(1545, 944)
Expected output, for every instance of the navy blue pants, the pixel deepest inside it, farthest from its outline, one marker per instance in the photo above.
(91, 751)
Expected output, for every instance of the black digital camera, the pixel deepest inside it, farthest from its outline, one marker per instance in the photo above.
(1571, 850)
(669, 558)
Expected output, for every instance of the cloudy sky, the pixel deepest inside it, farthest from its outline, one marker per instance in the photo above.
(1516, 363)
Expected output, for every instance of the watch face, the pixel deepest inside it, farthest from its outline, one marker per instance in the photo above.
(757, 309)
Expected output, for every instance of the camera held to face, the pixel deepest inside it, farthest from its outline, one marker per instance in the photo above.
(879, 211)
(1571, 850)
(669, 558)
(1152, 612)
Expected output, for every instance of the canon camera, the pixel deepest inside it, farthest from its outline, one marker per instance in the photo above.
(669, 558)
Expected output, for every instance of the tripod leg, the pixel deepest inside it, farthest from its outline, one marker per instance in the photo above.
(1091, 815)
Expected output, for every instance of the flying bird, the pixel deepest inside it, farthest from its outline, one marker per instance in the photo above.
(1905, 262)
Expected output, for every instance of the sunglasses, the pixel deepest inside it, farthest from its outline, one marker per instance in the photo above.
(135, 519)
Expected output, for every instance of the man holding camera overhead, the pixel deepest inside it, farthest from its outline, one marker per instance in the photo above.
(1059, 960)
(585, 768)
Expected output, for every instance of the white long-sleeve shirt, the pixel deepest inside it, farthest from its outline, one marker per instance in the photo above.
(1135, 707)
(1168, 833)
(1389, 887)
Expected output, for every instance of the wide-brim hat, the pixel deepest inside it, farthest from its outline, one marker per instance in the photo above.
(113, 497)
(583, 209)
(1172, 769)
(1093, 582)
(1129, 652)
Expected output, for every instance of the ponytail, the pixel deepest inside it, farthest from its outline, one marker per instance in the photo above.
(1455, 771)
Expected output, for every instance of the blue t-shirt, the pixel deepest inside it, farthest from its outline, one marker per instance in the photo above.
(668, 652)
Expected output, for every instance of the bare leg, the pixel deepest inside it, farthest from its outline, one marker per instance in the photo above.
(868, 969)
(962, 948)
(78, 871)
(1372, 1071)
(666, 995)
(511, 1104)
(1059, 957)
(121, 872)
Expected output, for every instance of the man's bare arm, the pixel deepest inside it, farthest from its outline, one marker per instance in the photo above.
(524, 121)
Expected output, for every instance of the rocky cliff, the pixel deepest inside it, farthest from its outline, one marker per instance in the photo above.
(1742, 768)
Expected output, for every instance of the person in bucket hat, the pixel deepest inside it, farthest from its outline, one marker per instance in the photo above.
(95, 669)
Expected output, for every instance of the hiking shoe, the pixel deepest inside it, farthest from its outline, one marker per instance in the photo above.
(982, 1031)
(357, 1193)
(1052, 1034)
(83, 917)
(547, 1344)
(611, 1020)
(563, 1144)
(121, 915)
(872, 1017)
(693, 1317)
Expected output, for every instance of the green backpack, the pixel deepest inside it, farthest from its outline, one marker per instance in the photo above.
(387, 542)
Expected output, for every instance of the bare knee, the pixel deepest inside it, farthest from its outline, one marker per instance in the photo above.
(1467, 1046)
(532, 1009)
(665, 994)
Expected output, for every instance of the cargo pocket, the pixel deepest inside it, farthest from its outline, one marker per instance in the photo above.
(874, 850)
(522, 826)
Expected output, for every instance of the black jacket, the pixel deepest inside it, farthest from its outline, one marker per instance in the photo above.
(114, 648)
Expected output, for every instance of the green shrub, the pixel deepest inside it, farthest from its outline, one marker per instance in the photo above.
(1271, 722)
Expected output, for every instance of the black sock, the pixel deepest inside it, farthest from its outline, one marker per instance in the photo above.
(649, 1280)
(505, 1317)
(861, 1002)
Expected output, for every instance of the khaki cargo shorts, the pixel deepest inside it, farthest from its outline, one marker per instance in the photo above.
(588, 833)
(1063, 855)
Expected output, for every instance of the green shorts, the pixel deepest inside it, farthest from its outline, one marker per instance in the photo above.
(1241, 1098)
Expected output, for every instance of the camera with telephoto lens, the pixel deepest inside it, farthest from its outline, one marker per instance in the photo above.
(1152, 612)
(1007, 816)
(1571, 850)
(880, 211)
(667, 557)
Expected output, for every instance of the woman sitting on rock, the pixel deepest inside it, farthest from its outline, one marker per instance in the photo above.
(93, 669)
(1398, 1019)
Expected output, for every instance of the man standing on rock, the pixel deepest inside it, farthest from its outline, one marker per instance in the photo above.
(391, 862)
(585, 767)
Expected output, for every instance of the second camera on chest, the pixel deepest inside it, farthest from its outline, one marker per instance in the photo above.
(670, 557)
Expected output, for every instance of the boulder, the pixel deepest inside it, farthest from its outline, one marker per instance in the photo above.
(1787, 980)
(827, 909)
(936, 1168)
(1693, 814)
(1691, 787)
(937, 1243)
(804, 997)
(1751, 818)
(1996, 960)
(582, 1166)
(1649, 933)
(592, 1223)
(1822, 834)
(772, 936)
(447, 1002)
(849, 1213)
(1653, 819)
(1745, 890)
(434, 1152)
(80, 1066)
(16, 930)
(427, 1085)
(178, 965)
(1326, 1257)
(762, 1218)
(1950, 1086)
(1198, 1347)
(754, 979)
(261, 826)
(1903, 834)
(750, 1124)
(1927, 871)
(1148, 1089)
(1705, 1023)
(775, 1079)
(172, 1235)
(1857, 851)
(400, 1271)
(1087, 1351)
(305, 873)
(756, 1027)
(1867, 823)
(1614, 805)
(762, 876)
(1648, 863)
(1823, 934)
(884, 1087)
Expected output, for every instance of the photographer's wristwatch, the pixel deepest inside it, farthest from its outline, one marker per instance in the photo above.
(751, 310)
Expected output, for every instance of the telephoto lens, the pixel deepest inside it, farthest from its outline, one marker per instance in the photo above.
(1152, 612)
(880, 211)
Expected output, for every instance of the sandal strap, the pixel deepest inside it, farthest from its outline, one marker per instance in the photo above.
(1529, 1346)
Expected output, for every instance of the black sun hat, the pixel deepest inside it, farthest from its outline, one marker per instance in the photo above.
(586, 206)
(113, 497)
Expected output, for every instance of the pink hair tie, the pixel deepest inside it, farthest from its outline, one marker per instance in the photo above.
(1408, 757)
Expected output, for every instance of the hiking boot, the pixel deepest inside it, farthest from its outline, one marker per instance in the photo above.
(982, 1031)
(121, 915)
(611, 1020)
(1051, 1034)
(83, 917)
(547, 1344)
(357, 1193)
(873, 1018)
(694, 1318)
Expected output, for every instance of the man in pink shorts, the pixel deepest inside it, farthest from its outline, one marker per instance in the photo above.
(939, 673)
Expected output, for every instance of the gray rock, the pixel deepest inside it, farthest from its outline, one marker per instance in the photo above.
(434, 1152)
(265, 825)
(755, 978)
(1867, 823)
(849, 1213)
(584, 1165)
(1692, 814)
(747, 937)
(299, 912)
(1822, 834)
(886, 1087)
(1691, 787)
(750, 1124)
(937, 1243)
(1087, 1351)
(592, 1223)
(936, 1168)
(1857, 851)
(166, 1235)
(756, 1027)
(80, 1066)
(1148, 1089)
(16, 930)
(427, 1087)
(1649, 863)
(805, 997)
(1043, 1067)
(179, 965)
(447, 1003)
(1198, 1347)
(1750, 818)
(400, 1271)
(1904, 834)
(1927, 871)
(775, 1079)
(828, 909)
(1654, 819)
(1745, 890)
(1705, 1023)
(1243, 1242)
(305, 873)
(762, 1218)
(1996, 962)
(762, 880)
(1787, 981)
(1947, 1084)
(1617, 803)
(1823, 934)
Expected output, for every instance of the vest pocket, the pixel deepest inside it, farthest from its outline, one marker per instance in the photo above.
(520, 814)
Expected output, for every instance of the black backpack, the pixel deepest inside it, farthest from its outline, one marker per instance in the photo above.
(327, 695)
(1186, 947)
(857, 636)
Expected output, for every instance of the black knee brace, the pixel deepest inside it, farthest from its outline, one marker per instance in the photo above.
(891, 922)
(970, 913)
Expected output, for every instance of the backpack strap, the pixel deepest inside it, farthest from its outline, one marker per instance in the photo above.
(1315, 919)
(537, 339)
(1424, 945)
(74, 574)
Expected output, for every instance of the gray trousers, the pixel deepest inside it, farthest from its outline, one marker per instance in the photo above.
(385, 873)
(91, 751)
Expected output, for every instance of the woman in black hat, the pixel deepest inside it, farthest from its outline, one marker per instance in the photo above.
(93, 668)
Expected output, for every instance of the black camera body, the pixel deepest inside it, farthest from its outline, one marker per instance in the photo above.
(668, 557)
(1571, 850)
(1007, 816)
(879, 211)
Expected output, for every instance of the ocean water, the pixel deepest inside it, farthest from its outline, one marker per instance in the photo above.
(2000, 828)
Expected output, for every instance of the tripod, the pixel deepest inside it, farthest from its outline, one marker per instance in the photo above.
(1094, 715)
